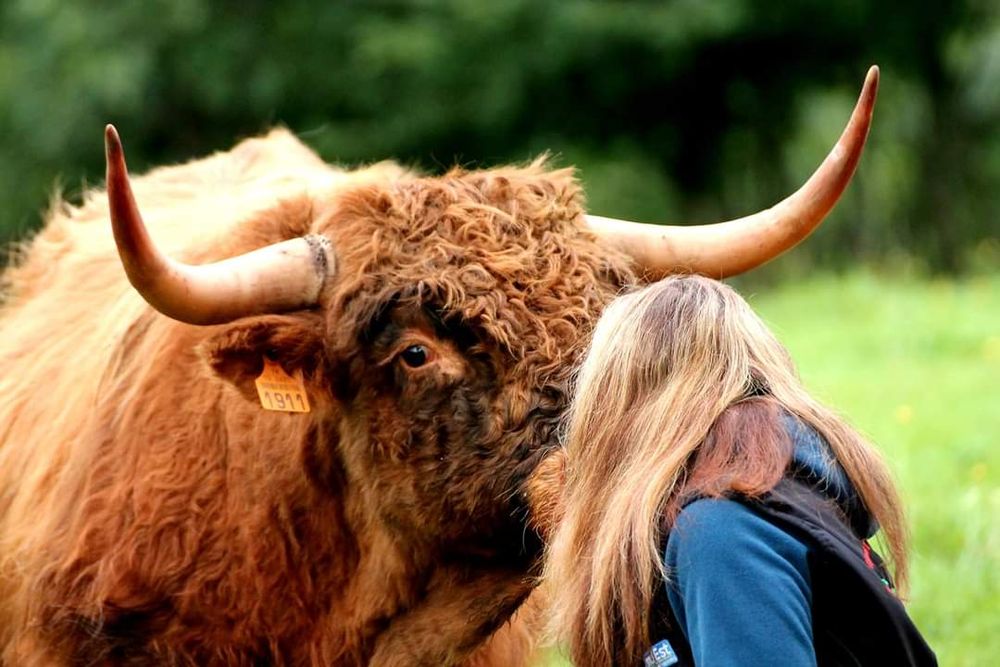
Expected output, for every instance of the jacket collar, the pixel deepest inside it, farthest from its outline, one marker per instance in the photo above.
(814, 463)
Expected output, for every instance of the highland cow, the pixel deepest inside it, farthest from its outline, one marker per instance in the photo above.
(152, 511)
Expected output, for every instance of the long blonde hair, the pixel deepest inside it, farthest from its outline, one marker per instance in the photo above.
(680, 395)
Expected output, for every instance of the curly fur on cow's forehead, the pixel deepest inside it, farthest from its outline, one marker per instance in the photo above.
(505, 250)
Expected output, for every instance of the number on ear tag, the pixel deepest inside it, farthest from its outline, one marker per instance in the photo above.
(280, 391)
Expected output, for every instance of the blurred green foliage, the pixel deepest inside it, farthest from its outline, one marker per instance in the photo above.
(673, 111)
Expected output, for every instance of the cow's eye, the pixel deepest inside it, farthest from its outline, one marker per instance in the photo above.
(415, 356)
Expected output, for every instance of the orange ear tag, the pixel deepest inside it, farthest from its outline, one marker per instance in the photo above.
(280, 391)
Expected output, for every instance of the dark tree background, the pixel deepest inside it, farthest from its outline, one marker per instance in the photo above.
(673, 111)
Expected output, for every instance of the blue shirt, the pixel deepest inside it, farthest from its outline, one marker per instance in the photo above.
(739, 587)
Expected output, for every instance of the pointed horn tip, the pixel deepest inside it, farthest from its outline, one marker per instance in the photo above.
(870, 88)
(112, 143)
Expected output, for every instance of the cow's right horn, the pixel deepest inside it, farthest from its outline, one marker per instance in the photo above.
(279, 277)
(727, 248)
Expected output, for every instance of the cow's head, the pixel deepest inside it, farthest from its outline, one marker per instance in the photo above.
(436, 321)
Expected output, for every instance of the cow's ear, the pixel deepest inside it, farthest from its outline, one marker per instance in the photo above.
(236, 351)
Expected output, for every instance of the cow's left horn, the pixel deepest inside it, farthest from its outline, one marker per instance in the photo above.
(280, 277)
(728, 248)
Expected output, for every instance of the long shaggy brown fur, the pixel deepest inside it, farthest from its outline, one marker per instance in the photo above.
(152, 513)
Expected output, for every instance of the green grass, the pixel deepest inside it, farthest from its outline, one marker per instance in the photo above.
(916, 366)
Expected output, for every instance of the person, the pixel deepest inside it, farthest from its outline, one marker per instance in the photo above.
(712, 512)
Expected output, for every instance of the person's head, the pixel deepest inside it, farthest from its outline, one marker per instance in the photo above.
(680, 396)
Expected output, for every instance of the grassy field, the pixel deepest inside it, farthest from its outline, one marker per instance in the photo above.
(916, 366)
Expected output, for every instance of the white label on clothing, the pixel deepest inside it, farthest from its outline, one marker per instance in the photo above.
(661, 655)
